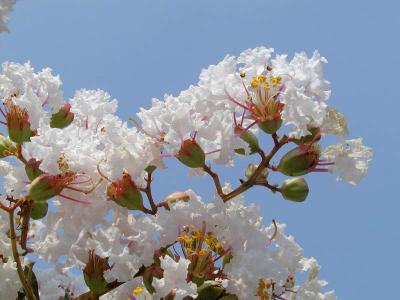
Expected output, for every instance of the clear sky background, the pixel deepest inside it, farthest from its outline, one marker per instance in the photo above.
(137, 50)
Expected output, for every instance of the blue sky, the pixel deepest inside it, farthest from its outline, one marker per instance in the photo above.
(137, 50)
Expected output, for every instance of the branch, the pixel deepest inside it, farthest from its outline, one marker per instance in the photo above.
(149, 193)
(26, 286)
(264, 163)
(217, 182)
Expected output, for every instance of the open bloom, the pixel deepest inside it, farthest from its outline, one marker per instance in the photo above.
(350, 160)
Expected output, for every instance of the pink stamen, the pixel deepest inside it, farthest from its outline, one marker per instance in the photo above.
(248, 127)
(278, 297)
(87, 122)
(2, 112)
(45, 101)
(234, 119)
(319, 170)
(75, 189)
(194, 135)
(326, 164)
(241, 121)
(214, 151)
(245, 88)
(234, 100)
(75, 200)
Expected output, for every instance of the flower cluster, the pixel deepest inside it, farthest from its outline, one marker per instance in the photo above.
(78, 184)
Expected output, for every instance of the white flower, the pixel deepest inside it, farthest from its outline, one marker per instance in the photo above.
(255, 60)
(311, 288)
(53, 285)
(305, 93)
(350, 160)
(334, 123)
(31, 91)
(9, 283)
(174, 279)
(5, 7)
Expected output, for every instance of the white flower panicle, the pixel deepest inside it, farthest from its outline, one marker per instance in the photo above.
(85, 177)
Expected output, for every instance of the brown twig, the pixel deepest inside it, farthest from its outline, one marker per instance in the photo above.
(245, 185)
(216, 180)
(29, 293)
(149, 193)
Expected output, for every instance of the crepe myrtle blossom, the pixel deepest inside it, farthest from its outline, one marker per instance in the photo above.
(26, 94)
(6, 7)
(78, 183)
(350, 160)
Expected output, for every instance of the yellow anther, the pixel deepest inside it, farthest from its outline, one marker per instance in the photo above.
(254, 83)
(203, 252)
(138, 290)
(196, 234)
(266, 86)
(261, 78)
(218, 246)
(278, 80)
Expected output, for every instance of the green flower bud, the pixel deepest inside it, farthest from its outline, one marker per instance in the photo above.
(125, 193)
(210, 290)
(19, 128)
(32, 169)
(295, 189)
(7, 147)
(191, 154)
(45, 187)
(150, 169)
(299, 161)
(62, 118)
(250, 138)
(93, 273)
(39, 210)
(174, 197)
(270, 126)
(251, 168)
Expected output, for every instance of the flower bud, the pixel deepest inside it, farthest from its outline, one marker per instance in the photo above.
(191, 154)
(45, 187)
(295, 189)
(93, 273)
(250, 138)
(270, 126)
(39, 210)
(251, 168)
(19, 128)
(125, 193)
(299, 161)
(62, 118)
(174, 197)
(32, 169)
(210, 290)
(7, 147)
